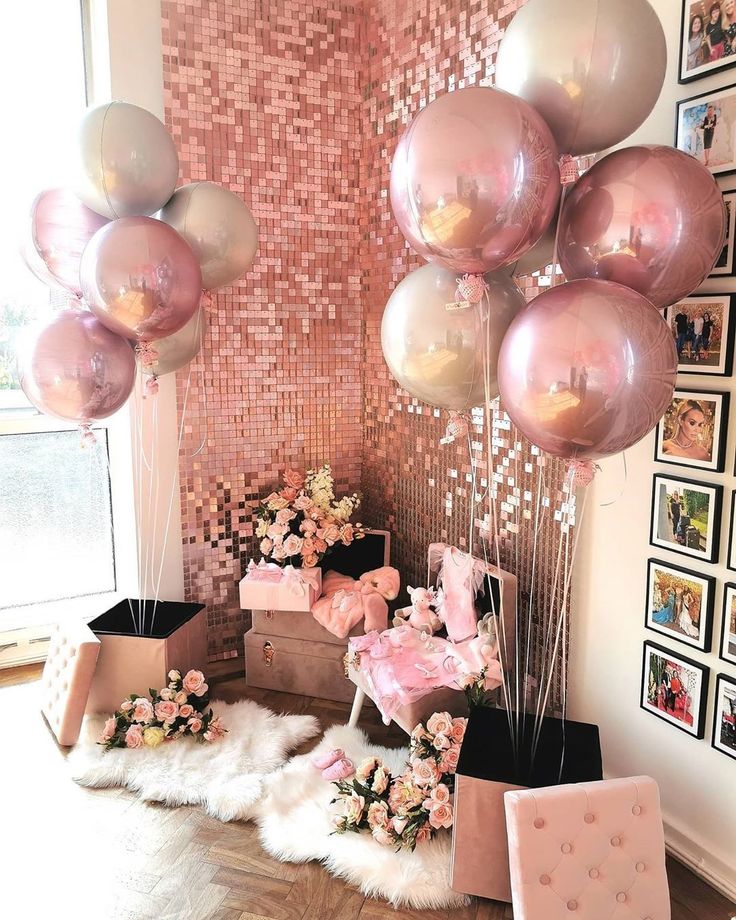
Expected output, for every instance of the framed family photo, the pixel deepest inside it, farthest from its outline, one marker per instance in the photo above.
(692, 432)
(707, 38)
(713, 315)
(727, 650)
(680, 604)
(686, 516)
(706, 129)
(674, 689)
(724, 266)
(724, 716)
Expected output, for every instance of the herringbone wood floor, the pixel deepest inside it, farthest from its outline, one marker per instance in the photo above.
(102, 854)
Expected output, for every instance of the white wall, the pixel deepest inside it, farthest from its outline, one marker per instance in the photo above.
(697, 783)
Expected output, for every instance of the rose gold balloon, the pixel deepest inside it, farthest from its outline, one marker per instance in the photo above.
(140, 278)
(75, 368)
(540, 255)
(434, 345)
(593, 69)
(61, 227)
(587, 369)
(651, 218)
(474, 181)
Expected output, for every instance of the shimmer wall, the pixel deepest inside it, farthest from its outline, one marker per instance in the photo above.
(298, 107)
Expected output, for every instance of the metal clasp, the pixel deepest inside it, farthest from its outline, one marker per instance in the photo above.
(268, 652)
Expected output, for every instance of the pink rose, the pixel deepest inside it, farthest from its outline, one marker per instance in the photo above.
(194, 683)
(166, 711)
(109, 730)
(424, 772)
(186, 711)
(423, 834)
(382, 836)
(398, 824)
(440, 742)
(293, 478)
(279, 553)
(307, 547)
(134, 737)
(354, 808)
(266, 546)
(194, 725)
(292, 545)
(276, 530)
(181, 697)
(440, 795)
(346, 534)
(320, 545)
(284, 516)
(440, 815)
(377, 815)
(142, 710)
(380, 780)
(457, 732)
(215, 730)
(308, 526)
(330, 534)
(288, 494)
(275, 502)
(366, 768)
(126, 706)
(309, 562)
(303, 503)
(440, 723)
(404, 794)
(449, 761)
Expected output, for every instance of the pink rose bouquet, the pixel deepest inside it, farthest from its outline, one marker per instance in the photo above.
(299, 524)
(173, 712)
(405, 810)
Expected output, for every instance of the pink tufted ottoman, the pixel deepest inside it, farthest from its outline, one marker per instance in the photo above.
(67, 677)
(589, 851)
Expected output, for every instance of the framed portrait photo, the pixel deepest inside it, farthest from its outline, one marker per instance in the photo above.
(727, 649)
(692, 432)
(686, 516)
(680, 604)
(706, 129)
(674, 689)
(714, 315)
(707, 38)
(724, 716)
(724, 266)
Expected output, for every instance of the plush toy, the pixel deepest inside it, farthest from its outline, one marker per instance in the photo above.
(345, 602)
(420, 615)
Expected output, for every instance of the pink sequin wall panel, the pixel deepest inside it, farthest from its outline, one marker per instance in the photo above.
(264, 98)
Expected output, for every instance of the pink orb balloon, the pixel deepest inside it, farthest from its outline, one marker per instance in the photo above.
(140, 278)
(651, 218)
(61, 227)
(474, 181)
(587, 369)
(76, 369)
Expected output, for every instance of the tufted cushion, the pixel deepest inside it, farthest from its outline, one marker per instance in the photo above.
(589, 851)
(66, 679)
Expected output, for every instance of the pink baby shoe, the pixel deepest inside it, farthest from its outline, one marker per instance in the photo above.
(322, 761)
(341, 769)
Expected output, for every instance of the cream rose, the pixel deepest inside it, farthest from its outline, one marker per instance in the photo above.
(365, 768)
(142, 710)
(153, 736)
(174, 675)
(194, 683)
(181, 697)
(261, 528)
(380, 780)
(166, 710)
(292, 545)
(279, 553)
(166, 694)
(134, 737)
(440, 723)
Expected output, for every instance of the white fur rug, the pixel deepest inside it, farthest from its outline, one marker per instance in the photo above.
(295, 826)
(225, 777)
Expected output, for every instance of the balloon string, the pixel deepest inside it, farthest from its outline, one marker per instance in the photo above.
(623, 485)
(203, 387)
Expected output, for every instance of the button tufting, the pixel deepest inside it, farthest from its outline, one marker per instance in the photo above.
(636, 810)
(544, 880)
(572, 905)
(615, 841)
(640, 867)
(589, 819)
(566, 848)
(621, 897)
(539, 823)
(594, 873)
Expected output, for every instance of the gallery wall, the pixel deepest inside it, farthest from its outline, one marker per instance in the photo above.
(697, 783)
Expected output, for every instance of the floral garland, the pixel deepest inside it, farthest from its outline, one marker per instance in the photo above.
(176, 711)
(299, 524)
(409, 809)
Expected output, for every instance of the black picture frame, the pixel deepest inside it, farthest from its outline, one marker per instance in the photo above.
(710, 554)
(683, 141)
(703, 70)
(723, 301)
(718, 710)
(730, 560)
(729, 246)
(729, 589)
(698, 726)
(721, 399)
(705, 637)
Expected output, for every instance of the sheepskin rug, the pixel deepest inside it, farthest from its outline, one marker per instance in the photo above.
(225, 777)
(295, 824)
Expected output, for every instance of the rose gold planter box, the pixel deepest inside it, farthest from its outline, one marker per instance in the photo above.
(133, 663)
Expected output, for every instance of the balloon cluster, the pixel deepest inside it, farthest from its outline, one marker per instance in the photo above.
(484, 181)
(136, 281)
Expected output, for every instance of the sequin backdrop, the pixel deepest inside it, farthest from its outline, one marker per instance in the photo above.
(298, 107)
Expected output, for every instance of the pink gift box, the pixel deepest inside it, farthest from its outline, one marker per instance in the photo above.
(268, 587)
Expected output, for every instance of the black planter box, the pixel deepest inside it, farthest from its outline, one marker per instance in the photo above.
(360, 556)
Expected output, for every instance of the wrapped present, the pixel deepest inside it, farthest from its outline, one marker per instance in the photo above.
(267, 586)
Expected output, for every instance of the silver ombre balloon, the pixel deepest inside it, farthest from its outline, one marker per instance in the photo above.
(127, 163)
(219, 227)
(593, 69)
(434, 344)
(177, 350)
